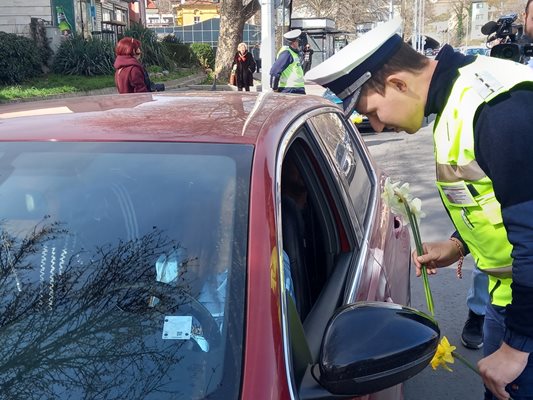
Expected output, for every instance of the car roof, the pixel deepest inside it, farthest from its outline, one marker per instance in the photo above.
(222, 117)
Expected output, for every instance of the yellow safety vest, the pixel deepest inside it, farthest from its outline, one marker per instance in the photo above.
(293, 75)
(466, 191)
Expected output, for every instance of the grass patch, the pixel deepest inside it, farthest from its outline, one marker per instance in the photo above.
(54, 84)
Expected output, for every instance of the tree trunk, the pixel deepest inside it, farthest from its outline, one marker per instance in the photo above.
(233, 15)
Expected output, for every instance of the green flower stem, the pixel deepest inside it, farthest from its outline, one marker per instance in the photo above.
(420, 251)
(465, 362)
(468, 364)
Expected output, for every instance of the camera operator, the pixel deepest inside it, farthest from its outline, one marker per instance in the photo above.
(507, 40)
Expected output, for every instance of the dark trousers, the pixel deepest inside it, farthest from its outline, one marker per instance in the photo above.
(493, 331)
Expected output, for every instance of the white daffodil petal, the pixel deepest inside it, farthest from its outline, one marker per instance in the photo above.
(416, 208)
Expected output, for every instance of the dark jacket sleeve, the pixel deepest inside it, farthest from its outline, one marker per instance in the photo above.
(503, 147)
(282, 62)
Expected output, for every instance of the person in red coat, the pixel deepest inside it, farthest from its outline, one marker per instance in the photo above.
(130, 75)
(244, 65)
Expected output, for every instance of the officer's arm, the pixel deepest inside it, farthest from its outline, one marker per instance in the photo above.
(503, 146)
(282, 62)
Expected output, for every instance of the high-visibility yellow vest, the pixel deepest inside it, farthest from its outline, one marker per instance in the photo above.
(293, 75)
(466, 191)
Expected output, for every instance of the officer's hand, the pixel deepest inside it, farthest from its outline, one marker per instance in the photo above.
(436, 255)
(501, 368)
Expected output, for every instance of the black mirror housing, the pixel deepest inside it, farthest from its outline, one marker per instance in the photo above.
(371, 346)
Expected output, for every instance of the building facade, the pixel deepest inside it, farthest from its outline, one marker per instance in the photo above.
(106, 19)
(196, 11)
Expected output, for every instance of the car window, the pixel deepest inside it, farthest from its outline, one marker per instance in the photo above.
(121, 264)
(319, 245)
(347, 155)
(306, 221)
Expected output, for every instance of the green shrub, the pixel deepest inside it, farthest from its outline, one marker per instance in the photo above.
(171, 38)
(180, 54)
(78, 56)
(154, 69)
(204, 54)
(20, 58)
(153, 50)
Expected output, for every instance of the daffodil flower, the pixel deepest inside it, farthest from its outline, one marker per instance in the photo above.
(401, 202)
(446, 354)
(443, 355)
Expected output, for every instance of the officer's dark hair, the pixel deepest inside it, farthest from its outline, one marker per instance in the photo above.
(405, 59)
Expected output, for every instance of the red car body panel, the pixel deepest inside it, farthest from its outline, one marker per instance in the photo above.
(256, 119)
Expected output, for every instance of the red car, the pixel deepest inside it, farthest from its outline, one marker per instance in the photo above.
(199, 245)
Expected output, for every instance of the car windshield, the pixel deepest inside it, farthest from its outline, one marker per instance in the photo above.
(120, 266)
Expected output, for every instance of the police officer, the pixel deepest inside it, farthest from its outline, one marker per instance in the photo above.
(484, 155)
(286, 74)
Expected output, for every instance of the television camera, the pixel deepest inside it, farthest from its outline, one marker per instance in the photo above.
(511, 44)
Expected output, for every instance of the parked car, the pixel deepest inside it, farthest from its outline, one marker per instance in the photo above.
(359, 120)
(199, 245)
(429, 52)
(475, 50)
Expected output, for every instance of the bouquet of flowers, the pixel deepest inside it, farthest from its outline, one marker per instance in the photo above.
(401, 202)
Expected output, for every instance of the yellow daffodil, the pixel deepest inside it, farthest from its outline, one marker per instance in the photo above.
(443, 355)
(356, 118)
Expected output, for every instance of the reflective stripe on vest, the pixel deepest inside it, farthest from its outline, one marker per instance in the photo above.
(293, 75)
(466, 191)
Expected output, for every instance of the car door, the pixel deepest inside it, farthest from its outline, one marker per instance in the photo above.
(327, 191)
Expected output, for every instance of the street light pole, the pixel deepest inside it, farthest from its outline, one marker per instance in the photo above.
(267, 51)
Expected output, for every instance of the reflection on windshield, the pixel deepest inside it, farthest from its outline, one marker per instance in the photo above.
(114, 298)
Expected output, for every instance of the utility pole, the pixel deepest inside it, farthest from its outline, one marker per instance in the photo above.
(414, 36)
(417, 41)
(267, 42)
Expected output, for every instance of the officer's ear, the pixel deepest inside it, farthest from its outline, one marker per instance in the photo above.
(398, 82)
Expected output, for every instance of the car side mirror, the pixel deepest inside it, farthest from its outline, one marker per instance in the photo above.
(370, 346)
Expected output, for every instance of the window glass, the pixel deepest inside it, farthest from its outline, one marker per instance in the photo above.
(120, 266)
(348, 158)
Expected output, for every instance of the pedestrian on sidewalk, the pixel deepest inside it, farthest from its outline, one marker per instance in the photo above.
(307, 57)
(256, 52)
(482, 145)
(130, 74)
(477, 301)
(244, 66)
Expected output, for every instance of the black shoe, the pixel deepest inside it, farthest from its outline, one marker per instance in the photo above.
(472, 336)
